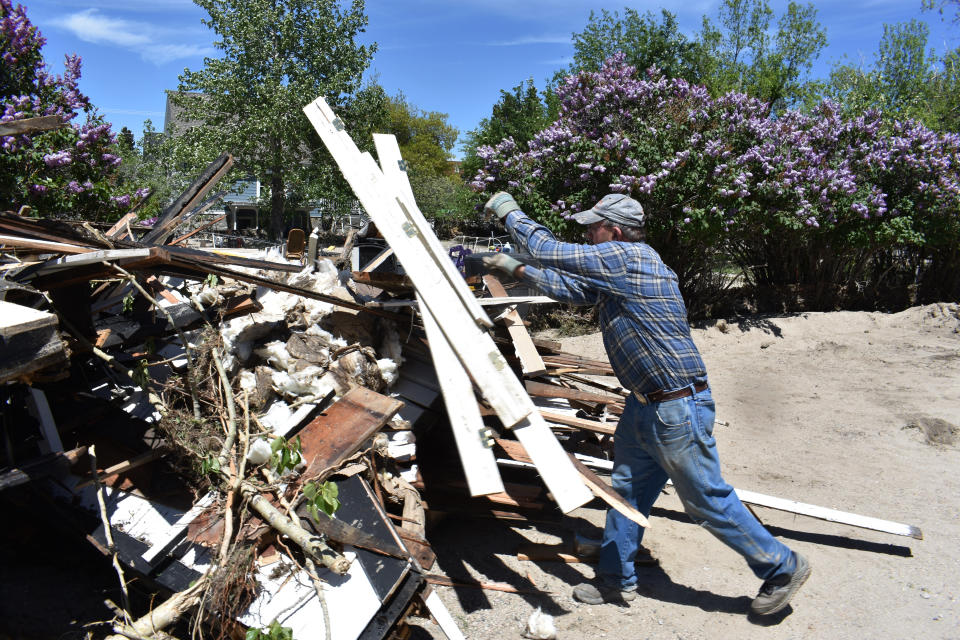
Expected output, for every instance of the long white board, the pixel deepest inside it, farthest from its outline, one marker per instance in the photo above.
(432, 273)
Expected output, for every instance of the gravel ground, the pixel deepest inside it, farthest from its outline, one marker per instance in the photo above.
(849, 410)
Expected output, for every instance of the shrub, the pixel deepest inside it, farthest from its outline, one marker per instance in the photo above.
(810, 202)
(67, 170)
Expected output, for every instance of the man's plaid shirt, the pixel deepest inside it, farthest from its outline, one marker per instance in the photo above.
(641, 311)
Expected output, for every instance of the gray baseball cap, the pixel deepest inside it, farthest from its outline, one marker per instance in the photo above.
(615, 207)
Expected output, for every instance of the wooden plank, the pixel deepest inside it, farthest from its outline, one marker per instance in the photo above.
(17, 319)
(18, 265)
(580, 423)
(198, 266)
(170, 217)
(600, 488)
(240, 305)
(440, 613)
(551, 553)
(120, 225)
(31, 125)
(470, 344)
(377, 260)
(46, 246)
(603, 491)
(469, 432)
(446, 581)
(574, 553)
(430, 269)
(166, 542)
(160, 289)
(391, 208)
(45, 229)
(341, 430)
(94, 257)
(612, 388)
(584, 364)
(830, 515)
(483, 302)
(540, 389)
(46, 465)
(31, 352)
(121, 467)
(530, 361)
(479, 464)
(48, 427)
(200, 228)
(800, 508)
(458, 324)
(395, 171)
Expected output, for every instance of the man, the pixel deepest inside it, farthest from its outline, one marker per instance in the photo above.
(666, 430)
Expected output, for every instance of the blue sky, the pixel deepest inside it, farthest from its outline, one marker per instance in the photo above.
(452, 56)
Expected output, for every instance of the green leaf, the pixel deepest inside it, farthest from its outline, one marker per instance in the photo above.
(128, 303)
(210, 464)
(141, 374)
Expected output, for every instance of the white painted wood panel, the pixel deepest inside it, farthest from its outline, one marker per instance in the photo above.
(473, 346)
(479, 464)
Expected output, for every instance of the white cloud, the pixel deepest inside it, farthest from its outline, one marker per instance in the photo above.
(161, 53)
(154, 44)
(131, 112)
(90, 26)
(527, 40)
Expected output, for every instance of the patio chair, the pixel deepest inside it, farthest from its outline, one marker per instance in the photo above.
(296, 244)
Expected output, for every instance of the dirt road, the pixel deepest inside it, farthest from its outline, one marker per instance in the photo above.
(849, 410)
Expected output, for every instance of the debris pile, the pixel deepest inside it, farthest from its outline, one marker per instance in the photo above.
(256, 439)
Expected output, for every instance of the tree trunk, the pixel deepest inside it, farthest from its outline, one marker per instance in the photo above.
(276, 204)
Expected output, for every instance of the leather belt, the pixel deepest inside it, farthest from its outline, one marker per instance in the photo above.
(662, 396)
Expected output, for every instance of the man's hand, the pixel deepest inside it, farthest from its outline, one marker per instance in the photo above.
(503, 263)
(500, 205)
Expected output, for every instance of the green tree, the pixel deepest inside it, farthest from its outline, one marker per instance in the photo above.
(903, 67)
(125, 141)
(943, 89)
(740, 54)
(276, 55)
(426, 142)
(519, 114)
(904, 81)
(147, 167)
(425, 138)
(643, 40)
(942, 6)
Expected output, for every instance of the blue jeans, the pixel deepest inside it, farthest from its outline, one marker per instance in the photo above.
(674, 439)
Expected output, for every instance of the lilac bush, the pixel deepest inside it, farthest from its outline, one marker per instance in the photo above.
(70, 170)
(815, 201)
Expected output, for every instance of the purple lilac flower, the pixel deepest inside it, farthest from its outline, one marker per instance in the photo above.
(58, 159)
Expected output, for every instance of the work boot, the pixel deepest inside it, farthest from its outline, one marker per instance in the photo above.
(776, 592)
(601, 592)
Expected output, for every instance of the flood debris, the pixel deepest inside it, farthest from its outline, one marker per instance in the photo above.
(260, 440)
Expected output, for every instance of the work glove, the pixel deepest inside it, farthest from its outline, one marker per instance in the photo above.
(500, 205)
(501, 262)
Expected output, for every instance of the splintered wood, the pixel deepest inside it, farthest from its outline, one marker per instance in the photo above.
(28, 341)
(444, 292)
(341, 430)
